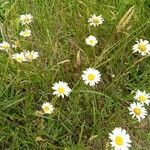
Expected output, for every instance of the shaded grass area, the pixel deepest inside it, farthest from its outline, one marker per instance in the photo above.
(59, 29)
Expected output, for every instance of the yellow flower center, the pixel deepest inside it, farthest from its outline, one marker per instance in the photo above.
(26, 33)
(26, 20)
(142, 47)
(119, 140)
(19, 59)
(61, 90)
(5, 46)
(95, 20)
(91, 42)
(142, 98)
(46, 109)
(137, 111)
(91, 77)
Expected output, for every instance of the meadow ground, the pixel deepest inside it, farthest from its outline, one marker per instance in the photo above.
(83, 120)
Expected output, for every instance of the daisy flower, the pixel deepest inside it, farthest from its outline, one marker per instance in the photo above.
(25, 33)
(26, 19)
(142, 46)
(31, 55)
(142, 97)
(96, 20)
(61, 89)
(19, 57)
(91, 40)
(138, 111)
(120, 140)
(91, 76)
(48, 108)
(4, 46)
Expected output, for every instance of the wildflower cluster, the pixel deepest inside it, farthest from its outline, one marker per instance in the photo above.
(25, 20)
(120, 140)
(23, 56)
(93, 21)
(61, 89)
(137, 109)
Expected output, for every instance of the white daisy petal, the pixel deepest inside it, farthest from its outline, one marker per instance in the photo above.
(4, 46)
(142, 47)
(48, 108)
(91, 76)
(31, 55)
(142, 97)
(26, 19)
(95, 20)
(137, 110)
(19, 57)
(120, 140)
(91, 40)
(25, 33)
(61, 89)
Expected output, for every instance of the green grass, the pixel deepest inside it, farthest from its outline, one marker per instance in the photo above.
(59, 30)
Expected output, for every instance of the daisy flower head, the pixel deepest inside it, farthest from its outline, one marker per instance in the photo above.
(4, 46)
(31, 55)
(91, 76)
(138, 111)
(120, 140)
(91, 40)
(26, 19)
(61, 89)
(142, 97)
(48, 108)
(19, 57)
(96, 20)
(25, 33)
(142, 47)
